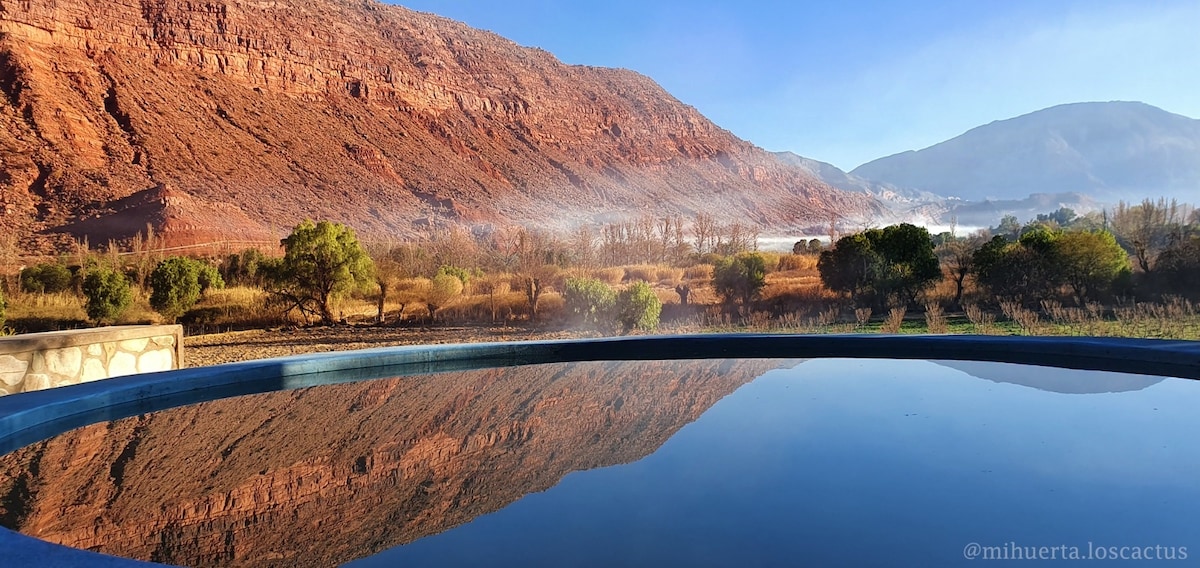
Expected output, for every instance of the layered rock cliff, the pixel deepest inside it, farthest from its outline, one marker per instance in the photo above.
(349, 110)
(324, 475)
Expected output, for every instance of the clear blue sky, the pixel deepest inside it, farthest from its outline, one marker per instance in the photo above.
(850, 81)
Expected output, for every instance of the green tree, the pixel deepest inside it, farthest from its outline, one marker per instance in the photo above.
(1009, 228)
(909, 262)
(47, 278)
(175, 286)
(638, 308)
(208, 277)
(320, 261)
(589, 300)
(850, 266)
(740, 278)
(1090, 263)
(443, 289)
(107, 292)
(244, 268)
(1043, 261)
(877, 265)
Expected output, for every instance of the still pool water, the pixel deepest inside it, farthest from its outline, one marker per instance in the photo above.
(701, 463)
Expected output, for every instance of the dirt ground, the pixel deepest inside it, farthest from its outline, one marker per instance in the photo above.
(213, 349)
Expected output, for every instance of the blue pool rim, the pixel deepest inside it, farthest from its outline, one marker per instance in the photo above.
(28, 418)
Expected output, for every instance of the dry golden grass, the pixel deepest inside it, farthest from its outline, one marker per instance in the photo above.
(610, 276)
(797, 288)
(238, 307)
(668, 295)
(478, 308)
(698, 273)
(941, 293)
(63, 306)
(669, 276)
(894, 320)
(642, 272)
(801, 262)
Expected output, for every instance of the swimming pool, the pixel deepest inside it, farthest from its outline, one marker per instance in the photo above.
(524, 457)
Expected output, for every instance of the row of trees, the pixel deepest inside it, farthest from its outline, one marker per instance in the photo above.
(1152, 248)
(176, 284)
(1057, 254)
(1089, 264)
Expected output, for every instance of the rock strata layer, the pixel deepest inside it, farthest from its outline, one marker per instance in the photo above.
(231, 120)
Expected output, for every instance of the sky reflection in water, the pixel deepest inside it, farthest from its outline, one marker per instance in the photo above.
(868, 463)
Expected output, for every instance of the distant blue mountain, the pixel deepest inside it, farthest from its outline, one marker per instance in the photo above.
(1106, 150)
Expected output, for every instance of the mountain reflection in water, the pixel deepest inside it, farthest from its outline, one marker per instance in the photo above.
(838, 462)
(323, 475)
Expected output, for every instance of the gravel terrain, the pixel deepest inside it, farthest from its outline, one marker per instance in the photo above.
(217, 348)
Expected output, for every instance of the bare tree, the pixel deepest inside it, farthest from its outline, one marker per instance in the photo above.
(704, 229)
(583, 246)
(956, 258)
(1148, 228)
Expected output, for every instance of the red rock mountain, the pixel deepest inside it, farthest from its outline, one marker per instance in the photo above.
(320, 476)
(234, 119)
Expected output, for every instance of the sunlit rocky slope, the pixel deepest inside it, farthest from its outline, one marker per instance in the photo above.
(233, 120)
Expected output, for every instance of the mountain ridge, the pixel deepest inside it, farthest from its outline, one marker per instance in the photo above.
(1107, 150)
(371, 114)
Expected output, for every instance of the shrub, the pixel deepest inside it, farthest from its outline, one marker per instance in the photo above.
(894, 320)
(443, 289)
(244, 268)
(46, 278)
(740, 278)
(108, 295)
(462, 274)
(589, 300)
(208, 277)
(638, 307)
(175, 286)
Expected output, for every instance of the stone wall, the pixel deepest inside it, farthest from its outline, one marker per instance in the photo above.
(39, 361)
